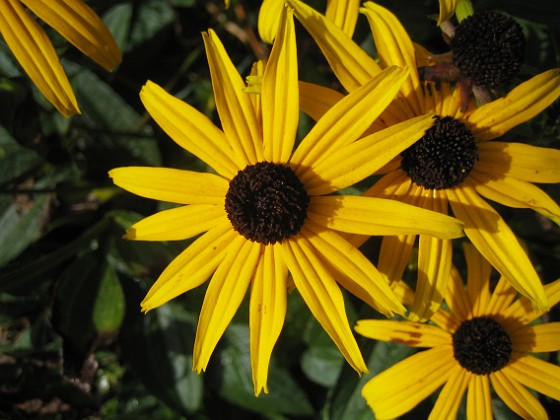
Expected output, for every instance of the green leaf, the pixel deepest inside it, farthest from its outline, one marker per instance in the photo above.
(322, 364)
(15, 160)
(118, 20)
(109, 307)
(152, 17)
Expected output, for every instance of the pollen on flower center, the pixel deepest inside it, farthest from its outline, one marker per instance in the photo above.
(443, 157)
(488, 48)
(482, 346)
(267, 202)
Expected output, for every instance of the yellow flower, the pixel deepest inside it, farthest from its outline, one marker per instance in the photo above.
(268, 210)
(454, 163)
(484, 338)
(29, 43)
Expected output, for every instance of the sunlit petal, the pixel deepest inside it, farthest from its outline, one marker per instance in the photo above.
(496, 242)
(450, 397)
(479, 401)
(269, 19)
(478, 280)
(224, 295)
(234, 106)
(173, 185)
(190, 129)
(411, 334)
(351, 65)
(316, 100)
(536, 338)
(36, 54)
(536, 374)
(178, 223)
(267, 311)
(502, 297)
(460, 307)
(528, 99)
(79, 24)
(521, 311)
(517, 397)
(344, 14)
(322, 295)
(404, 385)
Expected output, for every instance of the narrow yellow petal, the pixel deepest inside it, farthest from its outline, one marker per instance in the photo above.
(190, 129)
(451, 395)
(280, 94)
(36, 54)
(323, 297)
(502, 297)
(522, 312)
(267, 311)
(496, 118)
(316, 100)
(403, 386)
(515, 193)
(434, 267)
(363, 158)
(349, 62)
(356, 273)
(536, 374)
(234, 106)
(349, 118)
(224, 295)
(394, 255)
(178, 223)
(478, 280)
(344, 14)
(517, 397)
(173, 185)
(536, 338)
(479, 400)
(411, 334)
(269, 19)
(379, 216)
(446, 10)
(521, 161)
(460, 307)
(445, 320)
(79, 24)
(192, 267)
(493, 238)
(395, 48)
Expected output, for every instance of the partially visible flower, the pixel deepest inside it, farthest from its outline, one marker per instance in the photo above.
(270, 210)
(484, 339)
(29, 43)
(454, 163)
(460, 8)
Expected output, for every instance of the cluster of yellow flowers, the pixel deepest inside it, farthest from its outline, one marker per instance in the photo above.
(272, 218)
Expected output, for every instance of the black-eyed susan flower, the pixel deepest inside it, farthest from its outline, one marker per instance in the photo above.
(29, 43)
(483, 340)
(268, 210)
(456, 162)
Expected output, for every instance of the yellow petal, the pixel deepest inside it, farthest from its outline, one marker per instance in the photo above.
(234, 106)
(316, 100)
(403, 386)
(224, 295)
(434, 268)
(379, 216)
(536, 338)
(521, 161)
(356, 273)
(493, 238)
(411, 334)
(450, 397)
(349, 118)
(517, 397)
(460, 307)
(269, 19)
(190, 129)
(479, 401)
(478, 280)
(521, 311)
(521, 104)
(178, 223)
(267, 311)
(356, 161)
(79, 24)
(515, 193)
(322, 295)
(173, 185)
(280, 94)
(351, 65)
(446, 10)
(395, 48)
(192, 267)
(344, 14)
(536, 374)
(504, 293)
(34, 51)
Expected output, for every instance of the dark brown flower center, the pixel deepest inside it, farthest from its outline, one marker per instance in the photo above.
(482, 346)
(488, 48)
(266, 202)
(443, 157)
